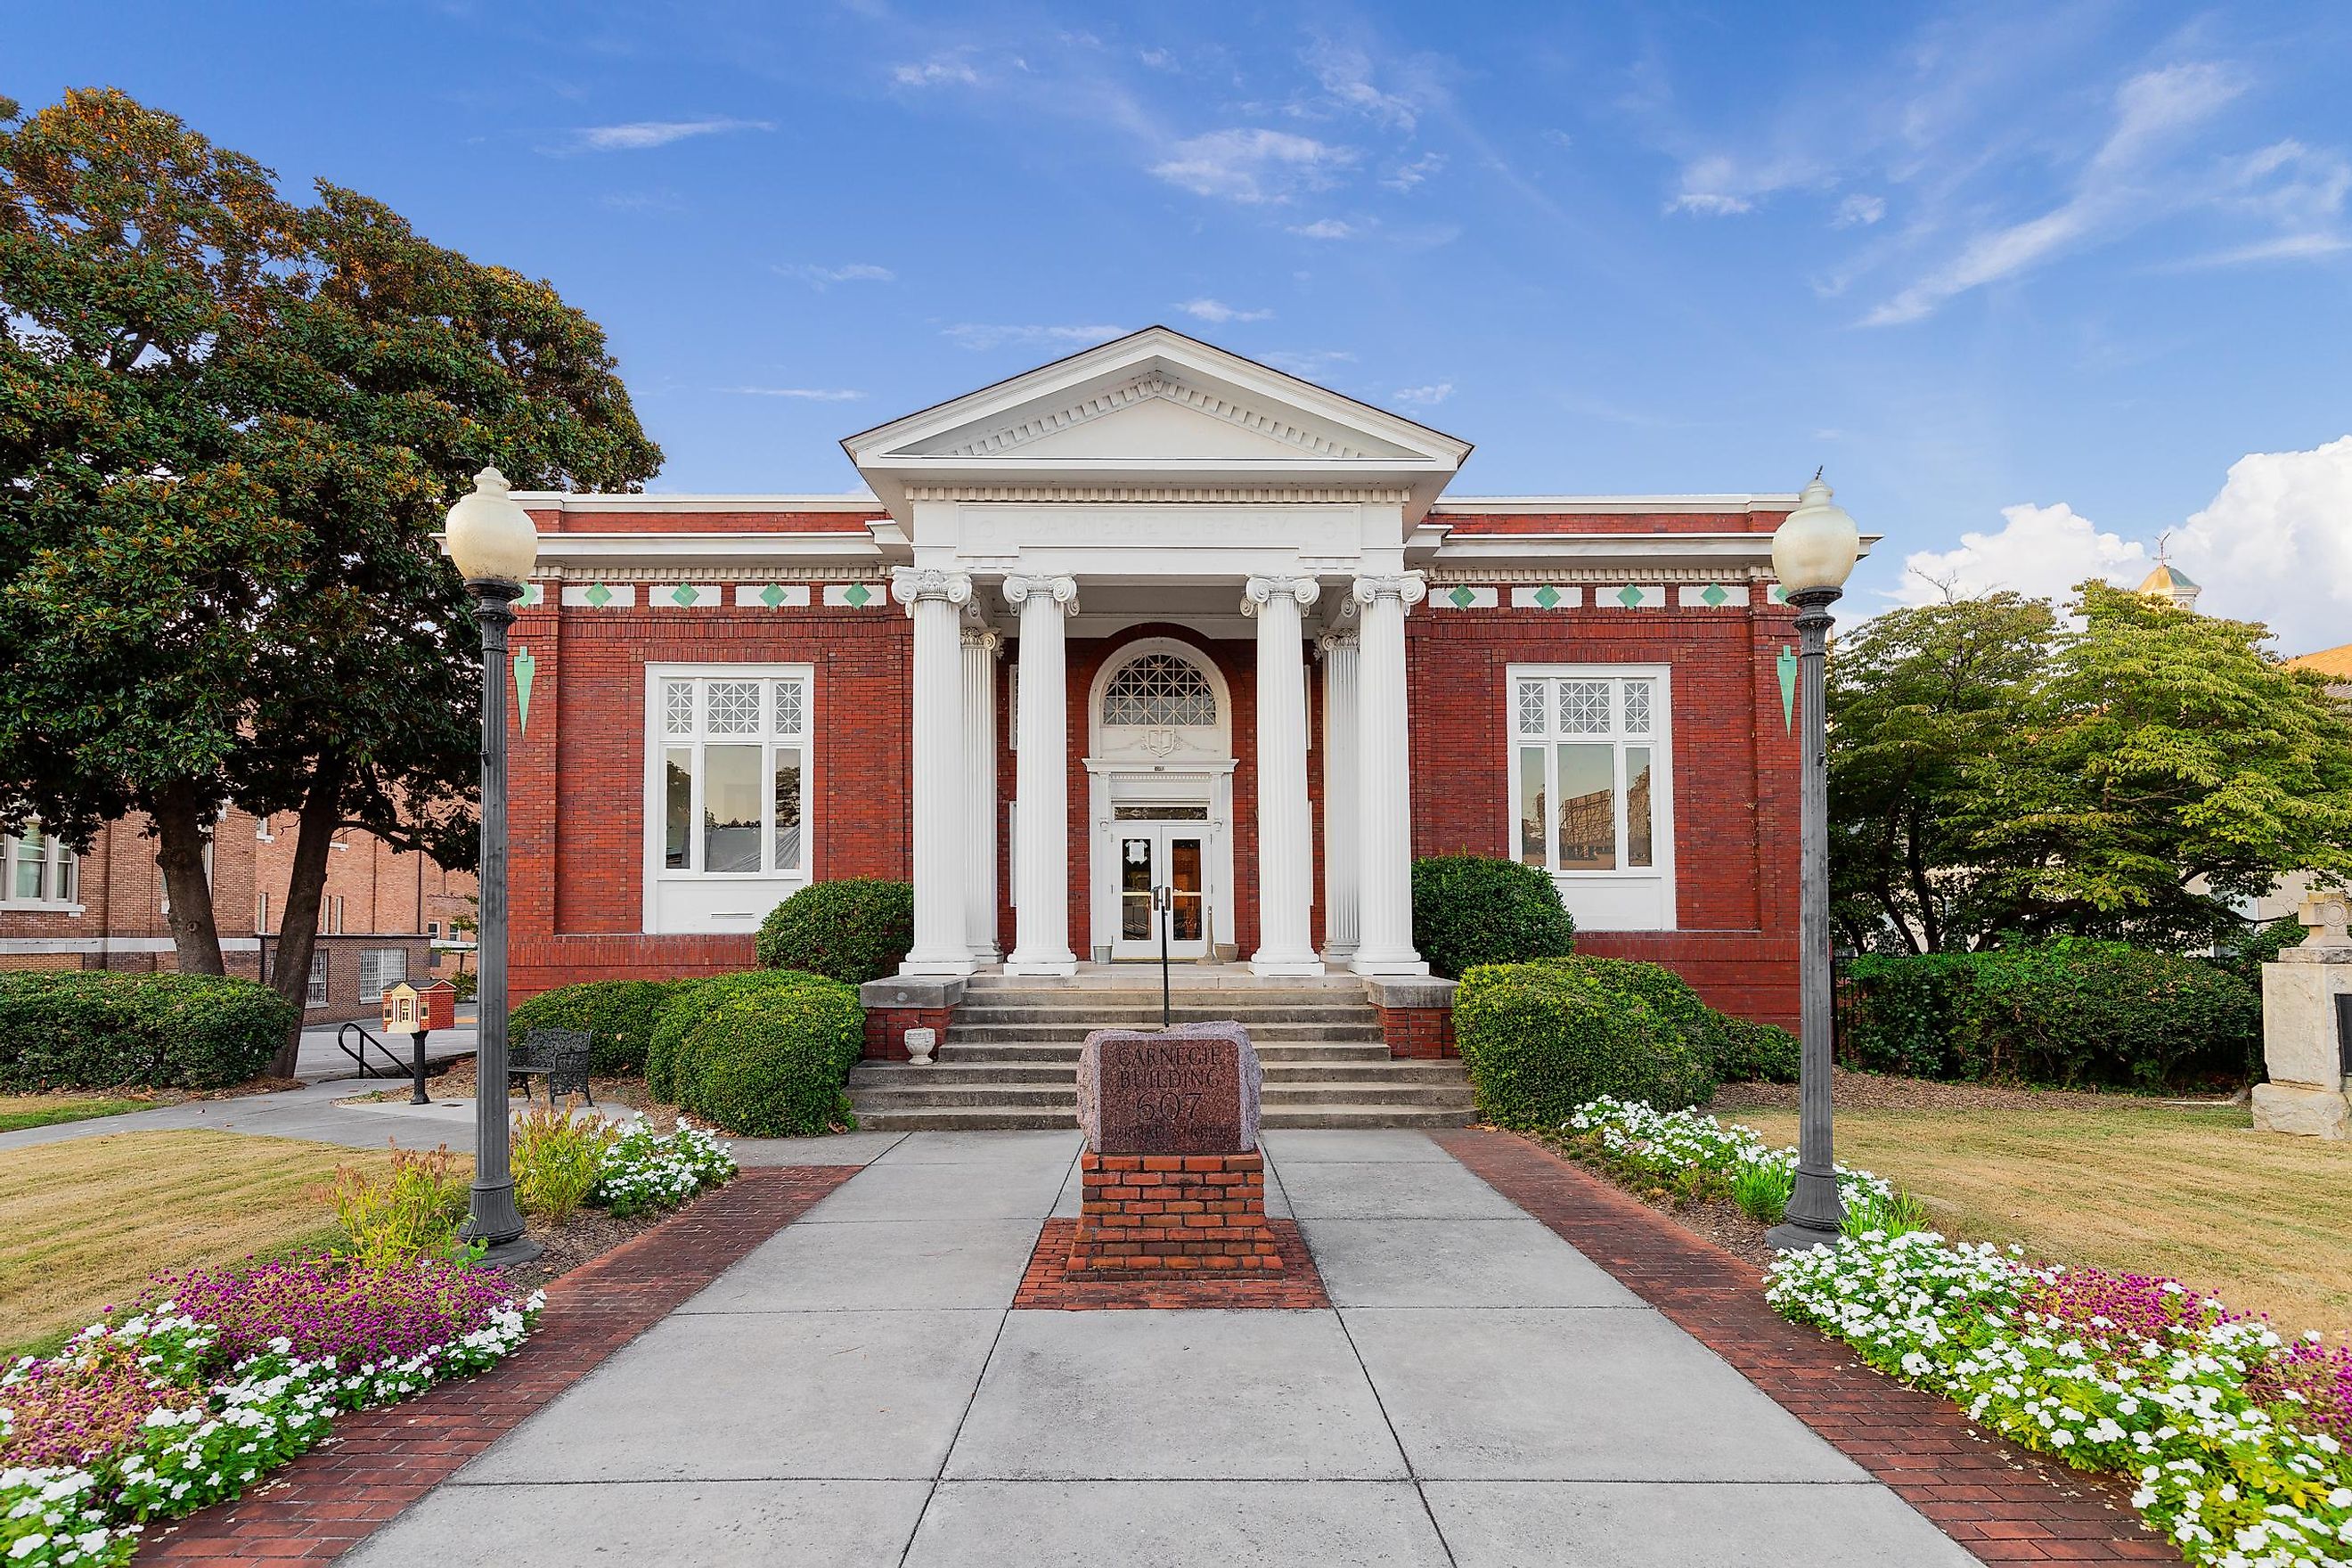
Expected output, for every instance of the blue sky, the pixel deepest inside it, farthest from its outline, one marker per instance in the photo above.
(2072, 260)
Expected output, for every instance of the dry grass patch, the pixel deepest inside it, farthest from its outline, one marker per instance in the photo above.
(83, 1223)
(2257, 1218)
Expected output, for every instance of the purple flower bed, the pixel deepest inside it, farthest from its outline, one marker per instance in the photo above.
(2139, 1305)
(328, 1309)
(70, 1412)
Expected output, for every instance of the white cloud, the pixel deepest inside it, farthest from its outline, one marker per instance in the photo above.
(806, 394)
(2285, 247)
(939, 70)
(820, 278)
(1721, 187)
(639, 134)
(2042, 551)
(1858, 208)
(1219, 312)
(1407, 175)
(1327, 228)
(985, 335)
(2273, 545)
(1253, 165)
(1424, 396)
(1346, 74)
(1710, 204)
(1310, 363)
(1159, 59)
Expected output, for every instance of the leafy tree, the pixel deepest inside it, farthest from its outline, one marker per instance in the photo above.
(1917, 697)
(229, 424)
(2164, 766)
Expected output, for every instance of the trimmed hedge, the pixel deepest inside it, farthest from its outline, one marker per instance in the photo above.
(853, 930)
(769, 1063)
(694, 1000)
(1469, 910)
(1540, 1039)
(1750, 1052)
(619, 1016)
(2074, 1013)
(95, 1030)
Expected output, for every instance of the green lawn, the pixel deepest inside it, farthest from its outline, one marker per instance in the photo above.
(21, 1110)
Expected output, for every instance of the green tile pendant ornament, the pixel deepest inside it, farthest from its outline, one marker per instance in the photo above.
(525, 667)
(1788, 687)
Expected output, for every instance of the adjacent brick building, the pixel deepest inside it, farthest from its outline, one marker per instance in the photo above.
(387, 914)
(1029, 670)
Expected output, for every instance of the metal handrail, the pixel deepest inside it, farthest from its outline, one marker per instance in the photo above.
(342, 1040)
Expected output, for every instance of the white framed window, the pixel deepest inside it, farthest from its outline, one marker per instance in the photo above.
(727, 793)
(317, 995)
(381, 967)
(1591, 763)
(40, 872)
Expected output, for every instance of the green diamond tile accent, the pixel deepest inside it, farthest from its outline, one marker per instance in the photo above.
(1463, 598)
(773, 594)
(1629, 595)
(1715, 594)
(684, 595)
(600, 595)
(1546, 596)
(858, 594)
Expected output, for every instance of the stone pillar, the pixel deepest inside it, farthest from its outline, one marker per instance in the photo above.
(2302, 1045)
(1041, 871)
(934, 599)
(980, 647)
(1341, 929)
(1384, 775)
(1284, 876)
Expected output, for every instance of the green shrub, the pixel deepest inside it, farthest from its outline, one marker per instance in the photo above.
(2073, 1012)
(92, 1029)
(2244, 950)
(693, 999)
(414, 1211)
(1469, 910)
(557, 1159)
(854, 929)
(769, 1063)
(1762, 1188)
(1676, 1006)
(618, 1015)
(1541, 1040)
(1750, 1052)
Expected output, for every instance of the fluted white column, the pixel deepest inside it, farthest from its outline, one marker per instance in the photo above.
(934, 599)
(980, 647)
(1041, 870)
(1285, 878)
(1342, 930)
(1383, 774)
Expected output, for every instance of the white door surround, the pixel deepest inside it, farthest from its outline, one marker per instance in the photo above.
(1159, 743)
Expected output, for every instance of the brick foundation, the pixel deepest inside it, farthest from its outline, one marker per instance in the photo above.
(1147, 1216)
(1419, 1033)
(886, 1029)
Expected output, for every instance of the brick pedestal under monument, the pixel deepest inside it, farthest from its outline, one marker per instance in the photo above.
(1174, 1184)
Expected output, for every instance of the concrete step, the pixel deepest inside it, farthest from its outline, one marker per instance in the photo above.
(1067, 1051)
(948, 1119)
(1261, 1035)
(1184, 979)
(986, 1074)
(1422, 1096)
(1061, 1011)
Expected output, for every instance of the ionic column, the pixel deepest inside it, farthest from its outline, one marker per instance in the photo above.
(1383, 774)
(1285, 881)
(1041, 869)
(934, 601)
(981, 644)
(1341, 929)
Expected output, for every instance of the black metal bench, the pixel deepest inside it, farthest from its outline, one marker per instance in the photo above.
(559, 1056)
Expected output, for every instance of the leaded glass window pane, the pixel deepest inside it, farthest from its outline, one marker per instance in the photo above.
(1637, 706)
(1532, 706)
(1159, 690)
(678, 707)
(788, 708)
(732, 706)
(1584, 707)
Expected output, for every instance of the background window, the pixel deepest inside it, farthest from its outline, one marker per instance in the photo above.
(37, 868)
(734, 751)
(380, 968)
(1583, 775)
(317, 995)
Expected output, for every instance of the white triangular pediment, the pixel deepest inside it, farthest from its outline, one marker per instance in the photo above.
(1157, 415)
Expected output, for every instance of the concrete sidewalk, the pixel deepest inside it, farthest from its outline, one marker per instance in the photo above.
(858, 1392)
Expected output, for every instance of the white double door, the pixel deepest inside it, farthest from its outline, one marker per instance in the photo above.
(1161, 851)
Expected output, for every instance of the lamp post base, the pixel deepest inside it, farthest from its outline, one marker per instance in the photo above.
(1797, 1236)
(507, 1254)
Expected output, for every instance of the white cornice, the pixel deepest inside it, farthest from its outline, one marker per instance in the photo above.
(1222, 494)
(1144, 388)
(1506, 506)
(719, 549)
(608, 501)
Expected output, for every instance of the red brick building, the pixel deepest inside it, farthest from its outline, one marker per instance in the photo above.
(1153, 615)
(388, 914)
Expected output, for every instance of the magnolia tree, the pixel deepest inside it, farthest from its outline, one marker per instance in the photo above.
(2129, 773)
(230, 423)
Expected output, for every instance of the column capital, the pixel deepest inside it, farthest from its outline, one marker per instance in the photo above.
(1063, 591)
(911, 583)
(1260, 590)
(1337, 640)
(982, 636)
(1408, 587)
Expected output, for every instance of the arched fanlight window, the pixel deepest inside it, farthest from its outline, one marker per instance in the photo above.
(1159, 690)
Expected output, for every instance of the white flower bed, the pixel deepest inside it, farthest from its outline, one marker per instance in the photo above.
(644, 1170)
(1669, 1142)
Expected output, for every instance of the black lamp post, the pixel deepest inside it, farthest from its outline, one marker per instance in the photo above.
(494, 544)
(1812, 552)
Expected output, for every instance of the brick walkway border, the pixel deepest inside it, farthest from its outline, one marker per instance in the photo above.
(379, 1462)
(1045, 1284)
(2002, 1502)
